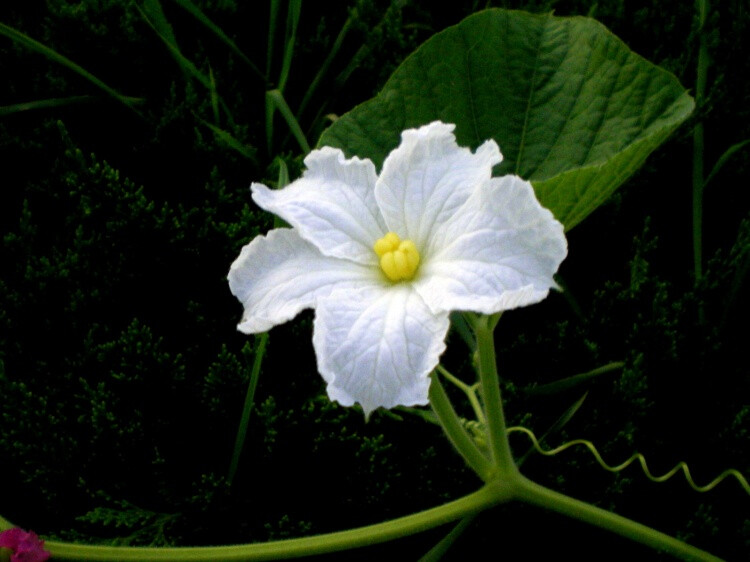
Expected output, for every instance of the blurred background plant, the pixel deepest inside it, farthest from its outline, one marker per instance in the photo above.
(130, 132)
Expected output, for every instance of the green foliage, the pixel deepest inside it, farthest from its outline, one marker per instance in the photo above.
(674, 368)
(226, 376)
(146, 528)
(90, 360)
(121, 373)
(580, 111)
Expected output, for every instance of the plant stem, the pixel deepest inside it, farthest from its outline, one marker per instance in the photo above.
(487, 496)
(275, 100)
(239, 441)
(698, 171)
(5, 524)
(502, 458)
(535, 494)
(470, 392)
(437, 552)
(455, 431)
(54, 56)
(571, 382)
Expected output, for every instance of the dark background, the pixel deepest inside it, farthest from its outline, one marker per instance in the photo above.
(121, 373)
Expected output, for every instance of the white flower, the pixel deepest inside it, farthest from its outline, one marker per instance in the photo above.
(384, 259)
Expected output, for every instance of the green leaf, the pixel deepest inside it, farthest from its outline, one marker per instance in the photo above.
(227, 138)
(54, 56)
(572, 382)
(275, 100)
(214, 95)
(54, 102)
(724, 158)
(258, 353)
(273, 17)
(153, 9)
(201, 17)
(318, 80)
(560, 423)
(154, 17)
(573, 109)
(283, 181)
(292, 21)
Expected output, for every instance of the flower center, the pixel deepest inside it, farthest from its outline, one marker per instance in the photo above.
(398, 259)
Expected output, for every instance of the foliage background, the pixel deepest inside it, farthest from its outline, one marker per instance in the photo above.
(122, 376)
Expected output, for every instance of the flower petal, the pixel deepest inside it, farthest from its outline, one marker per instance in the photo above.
(26, 546)
(332, 205)
(378, 347)
(428, 177)
(278, 275)
(499, 251)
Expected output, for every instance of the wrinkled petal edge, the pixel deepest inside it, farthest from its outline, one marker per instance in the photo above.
(378, 348)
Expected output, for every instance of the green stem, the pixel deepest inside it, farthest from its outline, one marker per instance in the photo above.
(455, 431)
(275, 100)
(56, 57)
(437, 552)
(497, 437)
(483, 498)
(470, 392)
(5, 524)
(698, 172)
(535, 494)
(216, 30)
(325, 66)
(239, 441)
(273, 17)
(571, 382)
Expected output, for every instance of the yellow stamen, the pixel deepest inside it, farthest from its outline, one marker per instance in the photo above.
(387, 243)
(398, 260)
